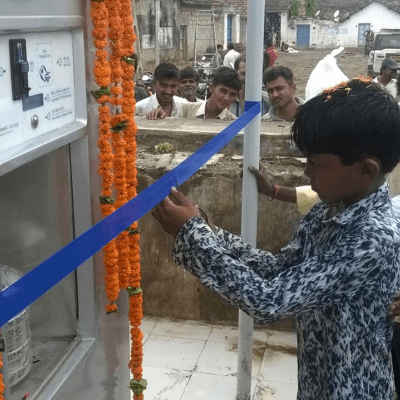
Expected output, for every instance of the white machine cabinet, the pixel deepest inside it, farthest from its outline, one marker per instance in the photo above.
(47, 138)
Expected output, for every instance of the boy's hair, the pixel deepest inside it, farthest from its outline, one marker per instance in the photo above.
(240, 59)
(353, 120)
(219, 46)
(165, 71)
(272, 73)
(228, 77)
(231, 46)
(189, 73)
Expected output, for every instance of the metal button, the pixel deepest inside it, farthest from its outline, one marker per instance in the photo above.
(35, 121)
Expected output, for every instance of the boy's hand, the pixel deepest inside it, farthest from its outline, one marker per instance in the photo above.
(264, 185)
(156, 113)
(173, 215)
(394, 308)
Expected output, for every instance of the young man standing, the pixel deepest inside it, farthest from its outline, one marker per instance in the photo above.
(387, 77)
(188, 84)
(281, 92)
(341, 270)
(231, 56)
(165, 83)
(237, 107)
(224, 89)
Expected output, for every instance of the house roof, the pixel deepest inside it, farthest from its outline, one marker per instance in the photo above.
(276, 5)
(349, 7)
(196, 3)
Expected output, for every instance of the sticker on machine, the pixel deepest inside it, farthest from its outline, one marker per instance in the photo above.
(44, 64)
(10, 124)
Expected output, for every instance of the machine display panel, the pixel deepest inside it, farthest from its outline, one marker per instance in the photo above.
(50, 103)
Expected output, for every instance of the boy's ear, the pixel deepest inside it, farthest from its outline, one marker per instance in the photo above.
(370, 168)
(211, 88)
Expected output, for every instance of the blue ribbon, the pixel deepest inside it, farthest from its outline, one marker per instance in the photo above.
(38, 281)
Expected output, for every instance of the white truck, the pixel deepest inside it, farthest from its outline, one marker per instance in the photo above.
(386, 45)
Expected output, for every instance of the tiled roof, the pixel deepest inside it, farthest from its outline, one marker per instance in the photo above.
(196, 3)
(349, 7)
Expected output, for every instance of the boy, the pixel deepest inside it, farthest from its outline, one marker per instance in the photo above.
(341, 270)
(224, 89)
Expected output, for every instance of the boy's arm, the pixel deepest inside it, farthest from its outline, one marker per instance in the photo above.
(262, 262)
(355, 269)
(304, 197)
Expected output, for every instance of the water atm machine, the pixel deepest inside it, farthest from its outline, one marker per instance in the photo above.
(63, 346)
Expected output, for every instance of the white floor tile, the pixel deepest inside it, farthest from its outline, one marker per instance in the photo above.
(266, 390)
(165, 384)
(172, 353)
(221, 359)
(279, 367)
(148, 324)
(223, 333)
(145, 337)
(182, 330)
(283, 339)
(212, 387)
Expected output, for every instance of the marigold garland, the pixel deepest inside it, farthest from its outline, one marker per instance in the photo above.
(114, 74)
(102, 74)
(115, 36)
(2, 386)
(128, 108)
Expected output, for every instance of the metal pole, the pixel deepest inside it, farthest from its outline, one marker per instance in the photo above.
(251, 156)
(157, 40)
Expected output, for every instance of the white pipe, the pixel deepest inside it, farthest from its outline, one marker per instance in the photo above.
(157, 41)
(251, 156)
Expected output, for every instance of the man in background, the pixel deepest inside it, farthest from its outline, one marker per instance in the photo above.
(387, 76)
(281, 92)
(237, 107)
(188, 84)
(218, 59)
(231, 56)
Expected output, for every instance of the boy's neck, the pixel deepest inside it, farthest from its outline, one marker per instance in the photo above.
(211, 110)
(362, 194)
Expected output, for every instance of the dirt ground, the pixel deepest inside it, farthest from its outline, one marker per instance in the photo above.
(351, 61)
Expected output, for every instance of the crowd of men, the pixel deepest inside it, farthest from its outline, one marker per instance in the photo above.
(175, 90)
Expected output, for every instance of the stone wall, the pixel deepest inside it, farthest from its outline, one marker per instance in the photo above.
(170, 291)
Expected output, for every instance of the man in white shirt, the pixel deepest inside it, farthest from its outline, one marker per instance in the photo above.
(165, 83)
(224, 89)
(231, 56)
(387, 76)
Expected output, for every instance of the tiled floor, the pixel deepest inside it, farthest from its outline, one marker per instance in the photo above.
(189, 361)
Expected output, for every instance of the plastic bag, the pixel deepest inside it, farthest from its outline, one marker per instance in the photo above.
(325, 75)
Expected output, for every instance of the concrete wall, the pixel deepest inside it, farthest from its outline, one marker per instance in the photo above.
(170, 291)
(329, 33)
